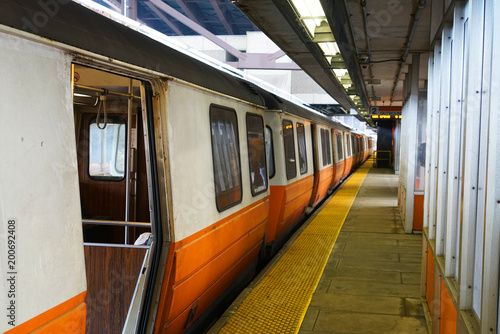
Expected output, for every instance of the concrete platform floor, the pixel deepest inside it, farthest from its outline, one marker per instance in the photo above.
(371, 283)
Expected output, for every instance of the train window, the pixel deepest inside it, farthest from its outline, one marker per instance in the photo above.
(256, 153)
(348, 146)
(289, 142)
(107, 146)
(323, 146)
(340, 150)
(354, 144)
(226, 157)
(270, 151)
(301, 139)
(328, 147)
(334, 151)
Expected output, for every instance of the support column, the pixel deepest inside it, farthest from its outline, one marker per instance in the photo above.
(409, 130)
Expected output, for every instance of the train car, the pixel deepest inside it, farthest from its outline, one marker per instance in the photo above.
(291, 176)
(323, 163)
(358, 147)
(141, 187)
(348, 153)
(220, 233)
(372, 145)
(329, 163)
(339, 157)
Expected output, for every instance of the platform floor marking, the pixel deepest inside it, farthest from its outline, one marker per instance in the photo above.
(280, 301)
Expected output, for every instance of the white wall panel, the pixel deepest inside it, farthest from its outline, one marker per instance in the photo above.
(455, 145)
(442, 164)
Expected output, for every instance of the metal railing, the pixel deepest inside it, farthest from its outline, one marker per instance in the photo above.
(115, 223)
(387, 157)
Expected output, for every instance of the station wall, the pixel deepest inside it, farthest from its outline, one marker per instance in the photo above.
(461, 175)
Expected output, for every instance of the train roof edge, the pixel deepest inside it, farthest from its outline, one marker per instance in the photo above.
(71, 23)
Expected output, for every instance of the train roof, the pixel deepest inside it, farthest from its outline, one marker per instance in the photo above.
(75, 25)
(70, 23)
(276, 103)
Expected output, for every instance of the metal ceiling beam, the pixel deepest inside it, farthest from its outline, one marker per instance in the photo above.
(416, 17)
(115, 5)
(129, 9)
(198, 28)
(338, 19)
(245, 60)
(277, 55)
(368, 46)
(192, 12)
(164, 18)
(222, 17)
(278, 21)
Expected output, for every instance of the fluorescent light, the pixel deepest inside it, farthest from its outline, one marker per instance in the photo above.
(311, 25)
(329, 48)
(335, 47)
(311, 13)
(339, 72)
(309, 8)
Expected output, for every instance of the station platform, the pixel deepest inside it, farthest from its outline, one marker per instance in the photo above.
(349, 269)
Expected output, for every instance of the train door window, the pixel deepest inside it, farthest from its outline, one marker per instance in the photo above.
(334, 152)
(226, 157)
(323, 146)
(256, 153)
(116, 158)
(270, 151)
(340, 150)
(107, 150)
(348, 145)
(301, 139)
(356, 144)
(289, 143)
(328, 148)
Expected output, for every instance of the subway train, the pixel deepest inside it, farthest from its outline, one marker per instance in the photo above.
(141, 188)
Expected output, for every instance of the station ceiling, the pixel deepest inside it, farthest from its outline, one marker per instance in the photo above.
(220, 17)
(373, 40)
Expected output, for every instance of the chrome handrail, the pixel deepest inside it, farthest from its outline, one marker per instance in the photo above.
(114, 223)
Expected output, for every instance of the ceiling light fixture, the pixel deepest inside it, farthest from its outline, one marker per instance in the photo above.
(313, 18)
(329, 48)
(311, 13)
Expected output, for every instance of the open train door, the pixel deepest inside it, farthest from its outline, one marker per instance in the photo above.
(119, 195)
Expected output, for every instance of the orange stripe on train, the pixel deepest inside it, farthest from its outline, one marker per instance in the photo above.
(287, 204)
(177, 325)
(323, 182)
(206, 263)
(67, 317)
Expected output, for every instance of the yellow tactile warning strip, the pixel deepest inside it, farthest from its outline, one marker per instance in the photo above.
(279, 302)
